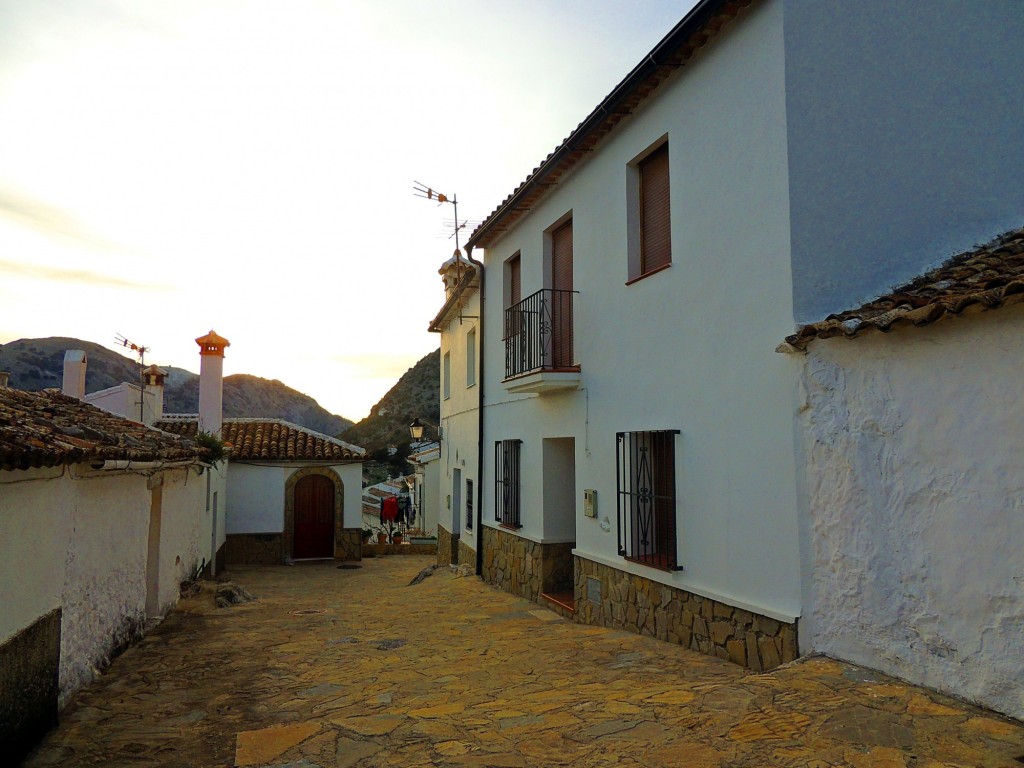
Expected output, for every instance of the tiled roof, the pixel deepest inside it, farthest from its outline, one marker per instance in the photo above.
(47, 429)
(272, 440)
(702, 23)
(987, 277)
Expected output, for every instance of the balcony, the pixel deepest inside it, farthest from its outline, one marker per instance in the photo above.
(539, 344)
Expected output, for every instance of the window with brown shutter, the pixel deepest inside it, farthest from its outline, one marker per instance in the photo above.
(655, 219)
(515, 285)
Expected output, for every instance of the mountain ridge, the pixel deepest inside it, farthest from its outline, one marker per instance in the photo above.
(36, 364)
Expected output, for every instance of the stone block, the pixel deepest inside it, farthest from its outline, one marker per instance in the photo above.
(723, 611)
(737, 650)
(769, 649)
(787, 634)
(721, 631)
(742, 618)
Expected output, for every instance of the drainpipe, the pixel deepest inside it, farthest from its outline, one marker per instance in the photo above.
(480, 424)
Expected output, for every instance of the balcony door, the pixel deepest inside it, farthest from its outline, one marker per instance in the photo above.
(561, 297)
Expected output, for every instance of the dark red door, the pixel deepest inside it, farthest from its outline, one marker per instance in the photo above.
(314, 517)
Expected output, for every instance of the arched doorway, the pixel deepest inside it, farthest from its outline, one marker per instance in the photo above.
(314, 517)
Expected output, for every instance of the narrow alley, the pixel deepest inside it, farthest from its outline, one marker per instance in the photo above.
(351, 666)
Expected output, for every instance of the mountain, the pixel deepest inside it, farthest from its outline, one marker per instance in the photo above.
(39, 363)
(416, 395)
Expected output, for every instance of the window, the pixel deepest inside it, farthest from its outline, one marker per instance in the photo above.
(469, 504)
(506, 482)
(446, 375)
(646, 497)
(513, 282)
(471, 358)
(651, 241)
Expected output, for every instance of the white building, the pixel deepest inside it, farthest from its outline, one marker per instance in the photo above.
(101, 519)
(640, 454)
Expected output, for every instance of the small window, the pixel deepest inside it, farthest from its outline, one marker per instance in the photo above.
(506, 482)
(469, 504)
(650, 220)
(513, 281)
(471, 358)
(446, 375)
(646, 497)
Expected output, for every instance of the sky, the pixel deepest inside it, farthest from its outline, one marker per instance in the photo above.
(247, 166)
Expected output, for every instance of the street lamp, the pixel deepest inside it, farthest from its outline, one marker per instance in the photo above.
(416, 430)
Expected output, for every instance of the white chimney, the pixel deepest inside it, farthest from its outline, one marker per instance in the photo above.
(4, 378)
(211, 382)
(75, 362)
(154, 378)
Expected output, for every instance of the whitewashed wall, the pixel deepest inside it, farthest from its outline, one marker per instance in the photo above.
(690, 348)
(79, 541)
(914, 445)
(35, 511)
(257, 498)
(459, 422)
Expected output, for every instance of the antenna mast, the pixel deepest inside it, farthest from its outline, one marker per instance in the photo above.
(141, 351)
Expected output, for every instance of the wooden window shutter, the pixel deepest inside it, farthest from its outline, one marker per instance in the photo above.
(561, 258)
(515, 291)
(655, 216)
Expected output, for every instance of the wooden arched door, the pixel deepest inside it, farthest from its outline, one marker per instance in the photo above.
(314, 517)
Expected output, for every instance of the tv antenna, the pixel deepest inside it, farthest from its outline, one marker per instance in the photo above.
(140, 351)
(429, 193)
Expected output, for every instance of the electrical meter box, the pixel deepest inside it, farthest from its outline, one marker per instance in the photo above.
(590, 502)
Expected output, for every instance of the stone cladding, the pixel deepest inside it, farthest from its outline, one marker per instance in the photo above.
(699, 623)
(523, 567)
(254, 549)
(447, 547)
(348, 544)
(466, 555)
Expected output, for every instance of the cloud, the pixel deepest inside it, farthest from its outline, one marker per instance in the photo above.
(50, 220)
(57, 274)
(376, 366)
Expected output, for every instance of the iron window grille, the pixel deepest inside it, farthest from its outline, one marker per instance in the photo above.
(539, 333)
(469, 504)
(646, 497)
(506, 482)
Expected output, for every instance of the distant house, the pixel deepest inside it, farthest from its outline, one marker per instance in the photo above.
(101, 519)
(621, 440)
(425, 459)
(293, 494)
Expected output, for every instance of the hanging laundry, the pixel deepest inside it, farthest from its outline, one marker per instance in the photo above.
(389, 509)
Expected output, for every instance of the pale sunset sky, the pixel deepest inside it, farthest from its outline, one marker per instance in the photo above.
(247, 166)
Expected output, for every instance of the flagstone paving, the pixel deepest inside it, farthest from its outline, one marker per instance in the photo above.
(334, 667)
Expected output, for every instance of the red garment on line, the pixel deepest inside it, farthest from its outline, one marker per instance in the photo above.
(389, 511)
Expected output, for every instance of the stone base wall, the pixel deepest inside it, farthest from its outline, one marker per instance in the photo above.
(348, 544)
(677, 616)
(29, 668)
(254, 549)
(523, 567)
(398, 549)
(447, 547)
(466, 554)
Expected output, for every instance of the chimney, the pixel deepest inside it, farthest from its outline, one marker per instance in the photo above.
(211, 382)
(153, 378)
(4, 378)
(75, 362)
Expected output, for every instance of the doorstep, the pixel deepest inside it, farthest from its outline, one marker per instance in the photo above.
(563, 603)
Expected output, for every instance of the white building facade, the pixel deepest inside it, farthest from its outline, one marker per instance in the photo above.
(642, 460)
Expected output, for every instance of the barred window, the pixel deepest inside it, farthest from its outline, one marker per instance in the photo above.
(506, 482)
(646, 493)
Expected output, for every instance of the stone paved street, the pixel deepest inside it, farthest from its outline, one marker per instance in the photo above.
(337, 667)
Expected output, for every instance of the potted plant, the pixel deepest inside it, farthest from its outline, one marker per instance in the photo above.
(396, 536)
(367, 535)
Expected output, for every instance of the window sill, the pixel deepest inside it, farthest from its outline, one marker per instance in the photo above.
(638, 278)
(508, 527)
(658, 563)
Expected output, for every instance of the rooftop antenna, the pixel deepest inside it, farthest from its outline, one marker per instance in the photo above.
(141, 351)
(422, 190)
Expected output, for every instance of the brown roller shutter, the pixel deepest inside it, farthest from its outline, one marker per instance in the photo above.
(515, 286)
(655, 217)
(561, 296)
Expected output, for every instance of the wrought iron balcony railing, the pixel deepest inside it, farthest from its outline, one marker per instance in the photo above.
(538, 333)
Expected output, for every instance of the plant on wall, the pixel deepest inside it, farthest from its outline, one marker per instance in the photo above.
(213, 445)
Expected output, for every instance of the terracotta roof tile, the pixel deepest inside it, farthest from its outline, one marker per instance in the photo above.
(47, 429)
(987, 277)
(273, 440)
